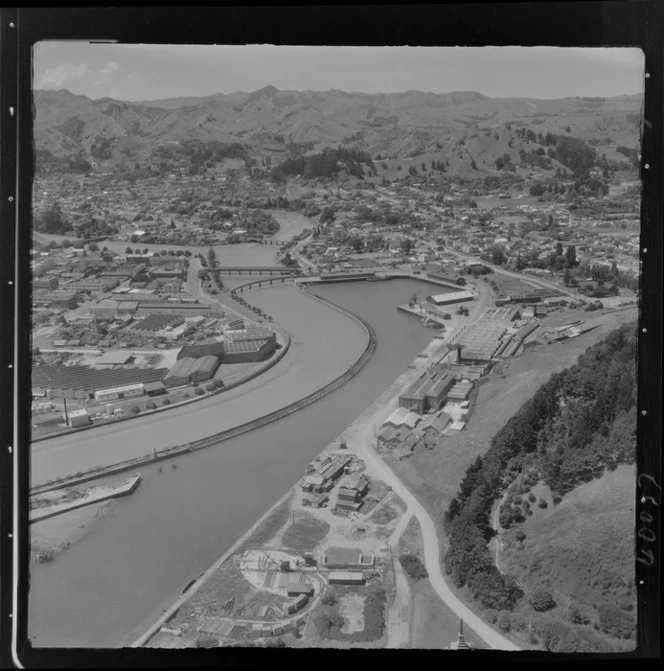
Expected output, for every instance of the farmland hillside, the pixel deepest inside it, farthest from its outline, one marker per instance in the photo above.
(467, 131)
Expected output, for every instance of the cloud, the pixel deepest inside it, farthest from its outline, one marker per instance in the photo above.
(109, 70)
(63, 75)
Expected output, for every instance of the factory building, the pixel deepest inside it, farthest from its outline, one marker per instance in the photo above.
(480, 341)
(188, 370)
(196, 351)
(81, 382)
(452, 297)
(246, 352)
(427, 392)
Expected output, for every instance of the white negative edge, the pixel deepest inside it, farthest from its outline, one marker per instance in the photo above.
(15, 446)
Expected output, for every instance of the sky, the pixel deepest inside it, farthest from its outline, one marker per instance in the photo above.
(134, 72)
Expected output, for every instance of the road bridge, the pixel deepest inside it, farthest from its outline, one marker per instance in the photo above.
(260, 241)
(258, 283)
(253, 270)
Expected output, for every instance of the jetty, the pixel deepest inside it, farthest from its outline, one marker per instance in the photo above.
(92, 495)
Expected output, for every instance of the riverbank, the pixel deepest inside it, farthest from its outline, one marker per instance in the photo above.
(169, 536)
(215, 438)
(51, 537)
(366, 418)
(45, 506)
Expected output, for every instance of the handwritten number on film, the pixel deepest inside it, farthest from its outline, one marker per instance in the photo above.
(645, 533)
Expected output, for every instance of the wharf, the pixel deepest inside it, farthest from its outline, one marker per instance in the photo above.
(429, 316)
(94, 495)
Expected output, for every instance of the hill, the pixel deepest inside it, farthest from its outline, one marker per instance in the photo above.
(579, 424)
(467, 130)
(581, 552)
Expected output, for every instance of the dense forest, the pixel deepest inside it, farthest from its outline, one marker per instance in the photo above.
(579, 423)
(326, 164)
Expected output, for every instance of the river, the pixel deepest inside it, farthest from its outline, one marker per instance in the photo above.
(109, 587)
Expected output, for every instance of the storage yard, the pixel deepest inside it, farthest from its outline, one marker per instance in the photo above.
(271, 586)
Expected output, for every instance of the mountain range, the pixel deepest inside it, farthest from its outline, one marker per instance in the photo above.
(267, 121)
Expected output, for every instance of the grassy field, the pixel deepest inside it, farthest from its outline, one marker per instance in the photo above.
(434, 475)
(433, 625)
(269, 527)
(583, 549)
(305, 534)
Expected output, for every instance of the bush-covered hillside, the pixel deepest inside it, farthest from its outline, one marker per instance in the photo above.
(581, 422)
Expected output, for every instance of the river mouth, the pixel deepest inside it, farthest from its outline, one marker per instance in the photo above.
(149, 546)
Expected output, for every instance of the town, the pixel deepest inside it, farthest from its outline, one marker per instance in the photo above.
(416, 338)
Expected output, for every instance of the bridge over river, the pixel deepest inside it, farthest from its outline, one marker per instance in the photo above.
(253, 270)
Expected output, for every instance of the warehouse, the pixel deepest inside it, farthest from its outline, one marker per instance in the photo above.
(196, 351)
(82, 382)
(249, 351)
(346, 578)
(115, 393)
(252, 334)
(340, 558)
(402, 417)
(452, 297)
(204, 368)
(114, 358)
(460, 391)
(427, 392)
(154, 388)
(480, 341)
(188, 370)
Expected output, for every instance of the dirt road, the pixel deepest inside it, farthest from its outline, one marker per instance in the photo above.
(399, 612)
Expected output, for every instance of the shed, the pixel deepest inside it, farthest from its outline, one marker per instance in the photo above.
(154, 388)
(346, 578)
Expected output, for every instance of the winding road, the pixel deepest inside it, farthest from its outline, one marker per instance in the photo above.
(359, 439)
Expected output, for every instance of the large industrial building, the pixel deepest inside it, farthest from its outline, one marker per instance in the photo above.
(248, 345)
(188, 370)
(208, 349)
(428, 392)
(480, 341)
(451, 297)
(82, 382)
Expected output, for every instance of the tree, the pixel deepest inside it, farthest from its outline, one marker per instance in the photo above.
(541, 600)
(129, 250)
(570, 256)
(93, 246)
(52, 219)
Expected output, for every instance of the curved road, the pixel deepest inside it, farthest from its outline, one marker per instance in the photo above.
(359, 438)
(360, 442)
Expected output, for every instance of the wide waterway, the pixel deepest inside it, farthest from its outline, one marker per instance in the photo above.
(107, 589)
